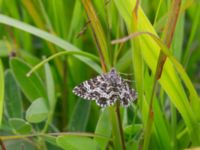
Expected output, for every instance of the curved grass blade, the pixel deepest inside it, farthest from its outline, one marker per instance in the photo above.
(49, 37)
(92, 57)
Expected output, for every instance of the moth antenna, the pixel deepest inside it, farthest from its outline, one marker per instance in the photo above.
(127, 80)
(126, 74)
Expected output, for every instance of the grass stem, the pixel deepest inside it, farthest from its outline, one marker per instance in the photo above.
(120, 126)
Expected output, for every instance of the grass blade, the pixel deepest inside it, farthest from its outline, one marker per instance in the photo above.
(103, 128)
(150, 53)
(183, 106)
(1, 90)
(98, 34)
(47, 36)
(61, 54)
(51, 94)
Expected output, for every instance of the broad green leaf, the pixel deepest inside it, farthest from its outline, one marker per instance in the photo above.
(71, 142)
(1, 90)
(18, 144)
(31, 86)
(49, 37)
(79, 118)
(29, 58)
(20, 126)
(37, 111)
(103, 128)
(13, 99)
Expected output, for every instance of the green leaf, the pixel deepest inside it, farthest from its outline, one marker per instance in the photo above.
(177, 42)
(71, 142)
(193, 31)
(18, 144)
(31, 86)
(20, 126)
(103, 128)
(13, 99)
(37, 111)
(117, 142)
(77, 21)
(1, 90)
(50, 139)
(51, 95)
(79, 118)
(183, 138)
(29, 58)
(161, 130)
(50, 86)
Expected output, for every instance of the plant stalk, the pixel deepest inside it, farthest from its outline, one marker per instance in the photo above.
(120, 126)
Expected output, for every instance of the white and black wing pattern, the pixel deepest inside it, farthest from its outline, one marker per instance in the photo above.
(108, 95)
(127, 94)
(106, 89)
(87, 89)
(97, 89)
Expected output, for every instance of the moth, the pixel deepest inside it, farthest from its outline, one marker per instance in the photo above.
(106, 89)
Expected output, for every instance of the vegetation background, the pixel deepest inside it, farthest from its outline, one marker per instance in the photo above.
(49, 46)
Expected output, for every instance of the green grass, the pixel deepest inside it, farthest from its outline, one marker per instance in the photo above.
(48, 47)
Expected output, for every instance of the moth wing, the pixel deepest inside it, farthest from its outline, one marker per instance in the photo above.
(108, 97)
(98, 89)
(90, 89)
(127, 94)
